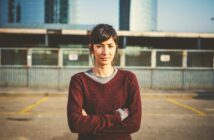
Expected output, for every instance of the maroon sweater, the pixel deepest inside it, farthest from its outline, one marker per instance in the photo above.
(100, 102)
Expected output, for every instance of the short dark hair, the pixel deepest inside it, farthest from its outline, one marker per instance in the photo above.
(102, 32)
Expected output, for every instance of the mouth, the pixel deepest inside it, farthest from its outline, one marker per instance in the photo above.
(104, 59)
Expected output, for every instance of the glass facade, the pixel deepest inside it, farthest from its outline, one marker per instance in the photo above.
(140, 15)
(124, 17)
(56, 11)
(39, 13)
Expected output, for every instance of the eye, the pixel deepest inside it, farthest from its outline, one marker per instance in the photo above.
(110, 46)
(98, 46)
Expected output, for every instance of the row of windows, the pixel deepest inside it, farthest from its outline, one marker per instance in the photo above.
(14, 12)
(133, 57)
(39, 11)
(138, 15)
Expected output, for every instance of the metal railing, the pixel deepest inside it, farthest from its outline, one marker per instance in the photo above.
(130, 57)
(156, 69)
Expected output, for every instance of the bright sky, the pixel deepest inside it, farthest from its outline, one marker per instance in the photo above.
(173, 15)
(186, 15)
(98, 11)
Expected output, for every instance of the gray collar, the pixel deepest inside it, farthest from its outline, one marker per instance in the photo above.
(99, 79)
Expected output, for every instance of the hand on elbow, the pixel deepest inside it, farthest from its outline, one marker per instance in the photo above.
(84, 113)
(124, 113)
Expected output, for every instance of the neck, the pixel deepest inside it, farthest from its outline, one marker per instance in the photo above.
(103, 71)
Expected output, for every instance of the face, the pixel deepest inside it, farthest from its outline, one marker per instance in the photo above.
(104, 52)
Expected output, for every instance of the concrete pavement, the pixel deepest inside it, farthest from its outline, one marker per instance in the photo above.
(44, 118)
(144, 92)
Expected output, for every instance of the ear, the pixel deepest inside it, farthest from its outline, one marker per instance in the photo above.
(90, 46)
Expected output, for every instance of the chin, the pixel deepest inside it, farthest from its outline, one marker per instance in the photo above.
(105, 63)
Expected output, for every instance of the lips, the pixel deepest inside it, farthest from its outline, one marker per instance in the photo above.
(104, 58)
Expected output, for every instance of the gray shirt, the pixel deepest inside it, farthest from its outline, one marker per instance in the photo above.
(99, 79)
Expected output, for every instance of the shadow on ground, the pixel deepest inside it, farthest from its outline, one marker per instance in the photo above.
(206, 95)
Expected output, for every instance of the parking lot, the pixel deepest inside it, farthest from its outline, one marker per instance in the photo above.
(40, 117)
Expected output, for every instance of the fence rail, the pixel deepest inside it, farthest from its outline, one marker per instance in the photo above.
(156, 69)
(130, 57)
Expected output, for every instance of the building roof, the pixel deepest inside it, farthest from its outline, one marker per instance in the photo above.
(120, 33)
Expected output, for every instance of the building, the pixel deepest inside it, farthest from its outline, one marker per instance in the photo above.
(61, 11)
(38, 13)
(138, 15)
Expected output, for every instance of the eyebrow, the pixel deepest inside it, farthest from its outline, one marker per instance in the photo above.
(106, 44)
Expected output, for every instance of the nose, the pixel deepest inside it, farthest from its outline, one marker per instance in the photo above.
(105, 50)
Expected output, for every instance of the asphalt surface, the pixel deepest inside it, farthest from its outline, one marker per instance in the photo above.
(144, 92)
(36, 114)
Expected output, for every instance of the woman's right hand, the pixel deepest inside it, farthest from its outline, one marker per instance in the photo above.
(84, 112)
(124, 113)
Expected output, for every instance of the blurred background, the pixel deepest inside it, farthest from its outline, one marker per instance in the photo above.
(168, 44)
(44, 42)
(146, 15)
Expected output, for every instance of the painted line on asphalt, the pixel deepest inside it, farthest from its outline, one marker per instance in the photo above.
(30, 107)
(198, 112)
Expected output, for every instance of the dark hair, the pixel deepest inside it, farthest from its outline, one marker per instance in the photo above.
(102, 32)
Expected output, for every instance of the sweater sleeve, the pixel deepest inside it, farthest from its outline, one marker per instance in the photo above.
(132, 122)
(90, 123)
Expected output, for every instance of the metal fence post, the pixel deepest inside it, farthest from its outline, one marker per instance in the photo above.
(184, 59)
(184, 66)
(122, 58)
(60, 66)
(29, 57)
(29, 64)
(153, 59)
(153, 65)
(60, 57)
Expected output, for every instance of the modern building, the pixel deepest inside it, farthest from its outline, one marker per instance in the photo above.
(138, 15)
(38, 13)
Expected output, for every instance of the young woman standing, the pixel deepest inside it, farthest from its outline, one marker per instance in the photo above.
(104, 102)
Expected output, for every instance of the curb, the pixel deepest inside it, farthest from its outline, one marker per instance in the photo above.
(144, 93)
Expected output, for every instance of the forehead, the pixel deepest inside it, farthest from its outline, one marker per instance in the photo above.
(109, 41)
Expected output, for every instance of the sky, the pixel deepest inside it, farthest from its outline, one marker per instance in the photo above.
(172, 16)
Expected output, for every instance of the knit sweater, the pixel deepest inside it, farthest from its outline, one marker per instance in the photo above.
(101, 101)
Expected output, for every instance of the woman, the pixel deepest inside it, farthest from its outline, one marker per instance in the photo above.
(104, 102)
